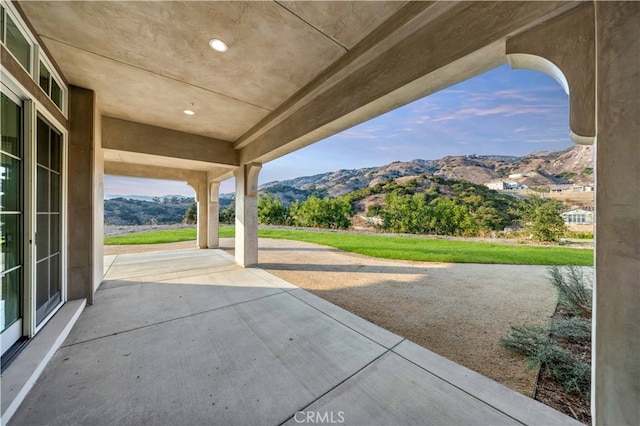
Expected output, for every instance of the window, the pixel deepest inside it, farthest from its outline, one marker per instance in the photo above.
(45, 78)
(50, 86)
(2, 24)
(16, 42)
(22, 46)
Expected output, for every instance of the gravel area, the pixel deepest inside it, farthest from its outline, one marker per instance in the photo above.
(456, 310)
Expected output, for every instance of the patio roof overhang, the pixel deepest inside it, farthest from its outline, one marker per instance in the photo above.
(294, 72)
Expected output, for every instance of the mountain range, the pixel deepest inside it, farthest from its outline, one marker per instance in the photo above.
(538, 169)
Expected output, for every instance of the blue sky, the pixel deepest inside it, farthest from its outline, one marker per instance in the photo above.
(503, 112)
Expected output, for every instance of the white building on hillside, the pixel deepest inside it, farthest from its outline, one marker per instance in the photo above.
(578, 216)
(500, 185)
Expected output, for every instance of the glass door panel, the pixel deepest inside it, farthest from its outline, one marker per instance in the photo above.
(11, 221)
(49, 199)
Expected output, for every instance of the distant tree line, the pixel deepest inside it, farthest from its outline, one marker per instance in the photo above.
(446, 207)
(424, 205)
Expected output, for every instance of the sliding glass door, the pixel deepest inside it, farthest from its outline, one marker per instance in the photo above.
(11, 220)
(48, 220)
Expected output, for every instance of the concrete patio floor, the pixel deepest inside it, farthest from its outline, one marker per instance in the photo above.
(189, 338)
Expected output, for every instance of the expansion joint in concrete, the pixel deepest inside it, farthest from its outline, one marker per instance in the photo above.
(456, 386)
(337, 320)
(342, 382)
(173, 319)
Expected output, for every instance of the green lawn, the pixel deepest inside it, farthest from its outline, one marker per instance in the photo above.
(160, 237)
(404, 248)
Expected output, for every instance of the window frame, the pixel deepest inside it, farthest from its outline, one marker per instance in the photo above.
(53, 76)
(36, 56)
(9, 11)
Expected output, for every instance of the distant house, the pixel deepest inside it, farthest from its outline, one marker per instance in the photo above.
(578, 216)
(572, 188)
(497, 185)
(501, 185)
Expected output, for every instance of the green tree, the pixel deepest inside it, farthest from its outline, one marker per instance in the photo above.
(191, 215)
(271, 211)
(333, 213)
(542, 219)
(227, 215)
(451, 218)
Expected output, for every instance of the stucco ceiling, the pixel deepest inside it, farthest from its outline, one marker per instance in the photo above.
(148, 61)
(295, 72)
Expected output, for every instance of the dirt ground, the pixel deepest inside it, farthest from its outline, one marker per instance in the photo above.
(456, 310)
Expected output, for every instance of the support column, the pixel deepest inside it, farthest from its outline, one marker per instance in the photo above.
(214, 212)
(202, 201)
(247, 214)
(85, 209)
(616, 387)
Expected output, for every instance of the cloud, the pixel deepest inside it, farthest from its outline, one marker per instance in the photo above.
(506, 110)
(506, 95)
(421, 119)
(364, 132)
(548, 140)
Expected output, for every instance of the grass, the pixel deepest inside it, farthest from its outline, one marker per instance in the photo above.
(161, 237)
(403, 248)
(438, 250)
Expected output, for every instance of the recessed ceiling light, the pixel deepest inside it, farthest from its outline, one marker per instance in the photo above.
(218, 45)
(189, 112)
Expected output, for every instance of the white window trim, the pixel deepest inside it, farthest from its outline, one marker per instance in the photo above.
(32, 107)
(36, 55)
(55, 76)
(24, 30)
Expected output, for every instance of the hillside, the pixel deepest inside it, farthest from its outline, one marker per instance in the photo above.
(573, 165)
(130, 211)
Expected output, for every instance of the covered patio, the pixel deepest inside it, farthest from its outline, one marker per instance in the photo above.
(189, 337)
(134, 89)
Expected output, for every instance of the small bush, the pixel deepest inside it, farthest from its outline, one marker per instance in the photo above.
(526, 340)
(574, 293)
(546, 345)
(579, 235)
(534, 343)
(572, 330)
(566, 367)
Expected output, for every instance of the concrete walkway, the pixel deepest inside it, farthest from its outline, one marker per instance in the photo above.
(189, 338)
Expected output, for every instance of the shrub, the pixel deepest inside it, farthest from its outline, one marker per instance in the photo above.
(572, 330)
(574, 293)
(545, 345)
(526, 340)
(579, 235)
(565, 366)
